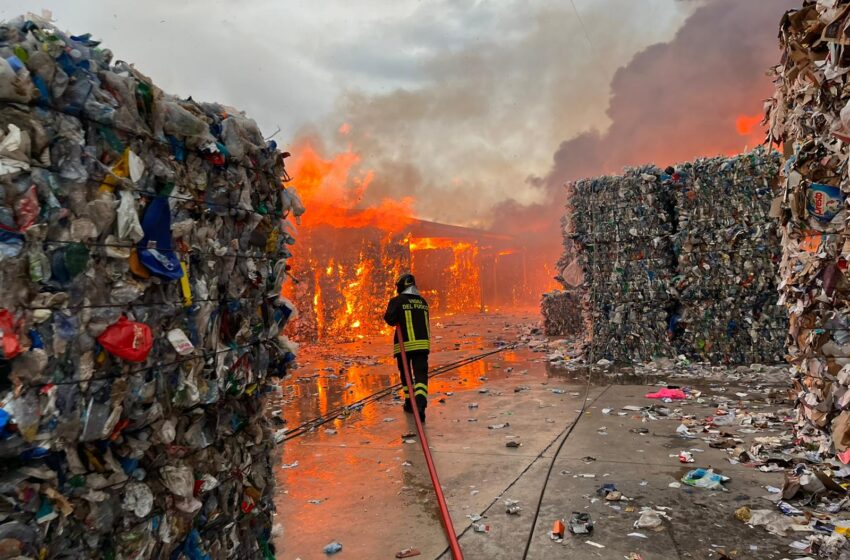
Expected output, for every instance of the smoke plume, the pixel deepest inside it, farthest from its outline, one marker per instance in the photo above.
(700, 94)
(466, 143)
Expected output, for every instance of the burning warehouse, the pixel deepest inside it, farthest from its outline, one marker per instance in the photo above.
(345, 276)
(352, 256)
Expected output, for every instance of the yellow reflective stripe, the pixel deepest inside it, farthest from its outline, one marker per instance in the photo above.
(404, 390)
(427, 325)
(410, 346)
(421, 385)
(408, 317)
(422, 392)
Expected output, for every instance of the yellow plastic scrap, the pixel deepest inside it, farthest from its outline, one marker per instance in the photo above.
(272, 241)
(121, 169)
(743, 514)
(94, 461)
(184, 285)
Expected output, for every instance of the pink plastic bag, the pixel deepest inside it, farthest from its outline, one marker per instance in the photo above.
(675, 394)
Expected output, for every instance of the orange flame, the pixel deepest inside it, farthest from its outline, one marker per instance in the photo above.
(353, 254)
(332, 189)
(746, 124)
(425, 243)
(450, 273)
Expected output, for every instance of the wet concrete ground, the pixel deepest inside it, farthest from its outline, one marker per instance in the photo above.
(358, 483)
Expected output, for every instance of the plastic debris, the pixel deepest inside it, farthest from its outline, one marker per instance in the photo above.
(674, 394)
(480, 528)
(705, 478)
(743, 514)
(512, 507)
(332, 548)
(649, 519)
(558, 531)
(580, 523)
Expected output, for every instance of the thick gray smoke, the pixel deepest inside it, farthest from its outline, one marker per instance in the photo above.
(673, 102)
(499, 85)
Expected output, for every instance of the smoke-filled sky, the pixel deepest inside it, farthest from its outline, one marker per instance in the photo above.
(479, 110)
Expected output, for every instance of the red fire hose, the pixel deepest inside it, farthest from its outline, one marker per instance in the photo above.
(432, 470)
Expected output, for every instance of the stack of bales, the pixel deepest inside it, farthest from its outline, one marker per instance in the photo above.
(682, 262)
(143, 244)
(810, 115)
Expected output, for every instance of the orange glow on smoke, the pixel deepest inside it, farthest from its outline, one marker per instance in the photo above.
(746, 124)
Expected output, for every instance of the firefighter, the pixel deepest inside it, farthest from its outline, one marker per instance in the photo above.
(410, 311)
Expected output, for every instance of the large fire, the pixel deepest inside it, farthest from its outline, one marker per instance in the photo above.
(332, 189)
(354, 254)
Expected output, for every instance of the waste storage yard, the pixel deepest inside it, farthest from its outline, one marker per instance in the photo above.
(359, 468)
(444, 280)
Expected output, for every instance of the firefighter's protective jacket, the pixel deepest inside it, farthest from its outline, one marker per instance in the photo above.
(410, 310)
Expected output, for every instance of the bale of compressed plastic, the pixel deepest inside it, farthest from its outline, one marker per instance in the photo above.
(143, 247)
(809, 115)
(727, 255)
(621, 228)
(681, 261)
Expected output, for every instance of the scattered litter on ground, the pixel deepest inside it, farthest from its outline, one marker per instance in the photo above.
(580, 523)
(705, 478)
(512, 507)
(332, 548)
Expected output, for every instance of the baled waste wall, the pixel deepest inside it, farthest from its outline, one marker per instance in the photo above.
(680, 261)
(143, 244)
